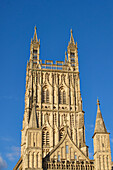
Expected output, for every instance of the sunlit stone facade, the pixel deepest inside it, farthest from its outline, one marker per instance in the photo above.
(53, 134)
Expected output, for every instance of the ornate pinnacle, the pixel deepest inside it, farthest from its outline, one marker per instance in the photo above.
(35, 35)
(71, 38)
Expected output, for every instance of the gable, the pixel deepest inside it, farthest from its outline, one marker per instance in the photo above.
(66, 149)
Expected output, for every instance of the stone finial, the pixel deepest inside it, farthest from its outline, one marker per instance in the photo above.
(71, 38)
(99, 125)
(33, 123)
(35, 39)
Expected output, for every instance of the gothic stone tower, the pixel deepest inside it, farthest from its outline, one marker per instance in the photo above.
(53, 134)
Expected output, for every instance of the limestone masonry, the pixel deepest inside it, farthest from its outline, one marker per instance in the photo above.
(53, 133)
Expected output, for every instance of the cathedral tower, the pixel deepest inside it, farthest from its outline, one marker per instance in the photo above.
(102, 151)
(53, 133)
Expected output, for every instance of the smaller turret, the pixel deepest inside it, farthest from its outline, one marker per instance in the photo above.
(72, 53)
(33, 123)
(99, 125)
(34, 49)
(102, 151)
(71, 38)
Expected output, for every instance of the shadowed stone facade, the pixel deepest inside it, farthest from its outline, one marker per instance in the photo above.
(53, 134)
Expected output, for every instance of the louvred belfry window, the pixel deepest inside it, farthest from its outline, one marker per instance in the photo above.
(45, 137)
(62, 97)
(45, 96)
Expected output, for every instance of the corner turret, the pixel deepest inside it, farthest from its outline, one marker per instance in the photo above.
(102, 151)
(34, 49)
(99, 125)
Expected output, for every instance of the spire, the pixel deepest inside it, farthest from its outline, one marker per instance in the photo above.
(35, 39)
(71, 38)
(33, 123)
(99, 125)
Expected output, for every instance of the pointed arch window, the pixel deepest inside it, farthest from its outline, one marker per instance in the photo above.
(45, 95)
(62, 97)
(45, 137)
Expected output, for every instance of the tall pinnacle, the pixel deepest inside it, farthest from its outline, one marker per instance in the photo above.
(33, 123)
(71, 38)
(35, 39)
(99, 125)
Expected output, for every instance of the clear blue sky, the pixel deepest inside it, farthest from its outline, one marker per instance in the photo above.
(92, 24)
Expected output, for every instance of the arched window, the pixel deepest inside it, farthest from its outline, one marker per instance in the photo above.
(45, 137)
(45, 96)
(62, 96)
